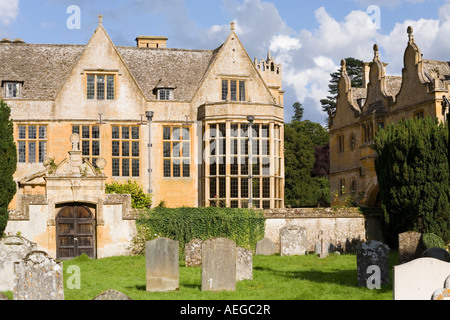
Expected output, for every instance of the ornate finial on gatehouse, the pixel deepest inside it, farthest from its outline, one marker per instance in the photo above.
(376, 54)
(100, 20)
(410, 33)
(232, 25)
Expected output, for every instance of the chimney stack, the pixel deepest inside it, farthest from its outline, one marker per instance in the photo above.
(151, 42)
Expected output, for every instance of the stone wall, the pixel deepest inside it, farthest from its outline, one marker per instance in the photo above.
(346, 228)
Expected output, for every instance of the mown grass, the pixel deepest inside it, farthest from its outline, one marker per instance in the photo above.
(274, 278)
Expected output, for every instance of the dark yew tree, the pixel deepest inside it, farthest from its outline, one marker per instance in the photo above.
(413, 175)
(8, 163)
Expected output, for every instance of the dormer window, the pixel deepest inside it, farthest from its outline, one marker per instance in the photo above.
(165, 94)
(12, 89)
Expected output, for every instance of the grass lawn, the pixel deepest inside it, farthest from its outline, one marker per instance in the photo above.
(274, 278)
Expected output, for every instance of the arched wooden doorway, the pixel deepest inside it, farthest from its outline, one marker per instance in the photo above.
(75, 232)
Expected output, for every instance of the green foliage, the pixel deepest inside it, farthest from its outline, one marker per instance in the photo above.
(8, 163)
(244, 226)
(139, 199)
(412, 171)
(300, 138)
(430, 240)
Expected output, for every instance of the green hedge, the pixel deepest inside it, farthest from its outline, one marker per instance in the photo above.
(243, 226)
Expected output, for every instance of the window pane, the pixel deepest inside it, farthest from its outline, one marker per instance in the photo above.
(90, 86)
(186, 150)
(100, 87)
(186, 134)
(265, 147)
(22, 151)
(95, 132)
(224, 89)
(42, 151)
(176, 149)
(233, 95)
(115, 149)
(135, 133)
(135, 168)
(176, 168)
(85, 132)
(31, 132)
(234, 187)
(166, 149)
(22, 132)
(166, 133)
(234, 130)
(95, 148)
(266, 187)
(31, 152)
(176, 134)
(265, 131)
(125, 149)
(167, 171)
(222, 188)
(110, 88)
(42, 132)
(241, 90)
(115, 133)
(186, 168)
(135, 149)
(125, 167)
(85, 147)
(244, 187)
(125, 133)
(115, 167)
(212, 188)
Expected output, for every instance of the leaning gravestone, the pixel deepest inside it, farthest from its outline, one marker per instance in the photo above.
(38, 277)
(193, 253)
(420, 278)
(265, 247)
(12, 249)
(409, 246)
(437, 253)
(372, 260)
(219, 265)
(112, 295)
(293, 241)
(244, 264)
(162, 265)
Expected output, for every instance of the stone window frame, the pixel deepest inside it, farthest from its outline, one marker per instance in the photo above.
(341, 143)
(27, 137)
(10, 93)
(93, 85)
(177, 160)
(165, 94)
(125, 151)
(90, 141)
(233, 89)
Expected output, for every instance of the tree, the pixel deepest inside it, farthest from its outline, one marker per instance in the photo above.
(412, 170)
(298, 112)
(354, 71)
(8, 163)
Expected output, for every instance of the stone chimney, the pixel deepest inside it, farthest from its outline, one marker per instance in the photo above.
(151, 42)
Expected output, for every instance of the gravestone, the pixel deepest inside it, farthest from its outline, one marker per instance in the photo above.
(112, 295)
(12, 249)
(162, 265)
(372, 257)
(409, 246)
(265, 247)
(437, 253)
(218, 265)
(193, 253)
(322, 246)
(244, 264)
(420, 278)
(293, 241)
(38, 277)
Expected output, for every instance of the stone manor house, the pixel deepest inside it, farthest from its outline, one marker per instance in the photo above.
(383, 99)
(179, 122)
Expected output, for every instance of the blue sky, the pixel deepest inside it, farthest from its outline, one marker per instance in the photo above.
(309, 38)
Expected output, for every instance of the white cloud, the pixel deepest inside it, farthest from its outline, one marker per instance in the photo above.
(8, 11)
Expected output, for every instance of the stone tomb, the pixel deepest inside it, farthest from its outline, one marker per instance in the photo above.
(244, 264)
(371, 258)
(162, 265)
(409, 246)
(219, 265)
(293, 241)
(193, 253)
(265, 247)
(38, 277)
(420, 278)
(12, 249)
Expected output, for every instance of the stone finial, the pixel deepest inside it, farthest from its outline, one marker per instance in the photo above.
(75, 139)
(410, 33)
(343, 66)
(232, 25)
(375, 52)
(100, 20)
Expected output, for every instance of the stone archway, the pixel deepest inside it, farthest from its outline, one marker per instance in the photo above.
(75, 232)
(373, 197)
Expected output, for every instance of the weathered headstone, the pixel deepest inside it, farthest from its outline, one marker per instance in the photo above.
(162, 265)
(409, 246)
(112, 295)
(12, 249)
(244, 264)
(293, 241)
(372, 262)
(193, 253)
(38, 277)
(265, 247)
(437, 253)
(419, 279)
(219, 265)
(322, 246)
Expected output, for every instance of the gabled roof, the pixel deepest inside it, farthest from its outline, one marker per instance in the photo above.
(43, 68)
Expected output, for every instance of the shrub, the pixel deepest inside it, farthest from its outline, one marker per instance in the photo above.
(244, 226)
(430, 240)
(139, 199)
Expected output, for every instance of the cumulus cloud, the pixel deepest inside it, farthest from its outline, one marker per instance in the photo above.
(8, 11)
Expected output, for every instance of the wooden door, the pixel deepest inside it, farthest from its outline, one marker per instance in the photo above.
(75, 230)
